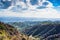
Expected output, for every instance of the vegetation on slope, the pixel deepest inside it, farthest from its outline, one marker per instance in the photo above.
(8, 32)
(47, 30)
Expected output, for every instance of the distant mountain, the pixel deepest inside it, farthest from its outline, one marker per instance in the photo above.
(44, 30)
(22, 19)
(22, 25)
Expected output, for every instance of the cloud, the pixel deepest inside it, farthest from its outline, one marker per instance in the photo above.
(38, 13)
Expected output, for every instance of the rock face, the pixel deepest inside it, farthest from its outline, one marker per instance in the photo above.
(8, 32)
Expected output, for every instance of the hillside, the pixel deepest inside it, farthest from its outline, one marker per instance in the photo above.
(45, 30)
(40, 29)
(22, 25)
(8, 32)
